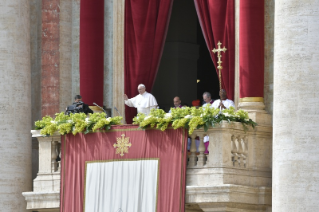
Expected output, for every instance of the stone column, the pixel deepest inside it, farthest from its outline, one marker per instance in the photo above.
(296, 110)
(50, 82)
(15, 104)
(65, 48)
(118, 57)
(108, 55)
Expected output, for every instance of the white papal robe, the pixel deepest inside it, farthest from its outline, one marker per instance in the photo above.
(227, 103)
(143, 102)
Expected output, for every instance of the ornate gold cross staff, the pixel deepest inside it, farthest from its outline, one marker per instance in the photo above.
(219, 67)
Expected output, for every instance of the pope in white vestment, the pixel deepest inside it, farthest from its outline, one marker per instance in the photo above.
(144, 101)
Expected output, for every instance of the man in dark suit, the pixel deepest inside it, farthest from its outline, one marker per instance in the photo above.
(85, 108)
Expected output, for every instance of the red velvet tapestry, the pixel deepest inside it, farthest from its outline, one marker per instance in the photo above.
(251, 48)
(146, 24)
(92, 51)
(168, 147)
(217, 20)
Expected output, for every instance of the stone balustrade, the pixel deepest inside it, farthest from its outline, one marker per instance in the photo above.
(46, 186)
(236, 174)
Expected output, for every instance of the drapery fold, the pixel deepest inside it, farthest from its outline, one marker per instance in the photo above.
(251, 48)
(92, 51)
(146, 24)
(217, 20)
(168, 148)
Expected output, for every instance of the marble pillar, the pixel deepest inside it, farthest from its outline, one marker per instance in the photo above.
(108, 55)
(296, 110)
(75, 48)
(15, 104)
(118, 58)
(65, 49)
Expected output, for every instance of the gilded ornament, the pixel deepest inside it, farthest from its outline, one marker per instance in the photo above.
(122, 145)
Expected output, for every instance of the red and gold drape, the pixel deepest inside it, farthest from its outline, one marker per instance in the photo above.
(92, 51)
(169, 147)
(217, 20)
(146, 24)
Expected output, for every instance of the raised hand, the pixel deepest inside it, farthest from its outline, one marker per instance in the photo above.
(125, 97)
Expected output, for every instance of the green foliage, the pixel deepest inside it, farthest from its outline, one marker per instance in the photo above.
(192, 118)
(76, 123)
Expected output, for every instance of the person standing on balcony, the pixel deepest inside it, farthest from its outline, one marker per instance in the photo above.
(177, 103)
(207, 97)
(223, 102)
(144, 101)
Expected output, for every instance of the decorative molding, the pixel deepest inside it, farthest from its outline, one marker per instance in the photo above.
(252, 99)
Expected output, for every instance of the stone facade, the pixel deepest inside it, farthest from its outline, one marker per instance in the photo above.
(15, 104)
(39, 65)
(296, 111)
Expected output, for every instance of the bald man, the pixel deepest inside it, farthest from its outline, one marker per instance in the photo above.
(144, 101)
(177, 103)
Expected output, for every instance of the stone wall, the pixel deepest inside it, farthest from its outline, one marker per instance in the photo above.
(296, 111)
(15, 104)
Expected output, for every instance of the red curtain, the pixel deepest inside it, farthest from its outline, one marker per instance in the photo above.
(146, 23)
(217, 20)
(169, 146)
(92, 51)
(251, 37)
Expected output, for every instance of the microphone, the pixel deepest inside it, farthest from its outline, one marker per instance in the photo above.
(100, 107)
(117, 111)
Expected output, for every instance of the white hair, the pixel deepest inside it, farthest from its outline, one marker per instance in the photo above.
(142, 85)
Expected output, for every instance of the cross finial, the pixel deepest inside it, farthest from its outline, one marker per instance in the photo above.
(219, 62)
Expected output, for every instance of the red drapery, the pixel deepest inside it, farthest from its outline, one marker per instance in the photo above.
(146, 24)
(169, 146)
(217, 20)
(251, 48)
(92, 51)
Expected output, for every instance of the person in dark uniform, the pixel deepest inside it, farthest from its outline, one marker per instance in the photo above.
(85, 107)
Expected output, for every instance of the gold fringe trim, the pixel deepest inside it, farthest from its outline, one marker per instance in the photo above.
(252, 99)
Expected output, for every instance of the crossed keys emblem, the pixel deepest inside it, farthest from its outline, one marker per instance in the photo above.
(122, 145)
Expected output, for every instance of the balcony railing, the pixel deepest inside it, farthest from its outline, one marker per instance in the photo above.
(236, 174)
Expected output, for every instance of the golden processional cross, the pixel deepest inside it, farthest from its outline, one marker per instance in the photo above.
(219, 67)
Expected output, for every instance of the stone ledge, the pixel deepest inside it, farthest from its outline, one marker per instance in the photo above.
(42, 200)
(234, 194)
(234, 207)
(234, 176)
(36, 133)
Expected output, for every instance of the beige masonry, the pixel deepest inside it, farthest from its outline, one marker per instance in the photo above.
(296, 110)
(15, 104)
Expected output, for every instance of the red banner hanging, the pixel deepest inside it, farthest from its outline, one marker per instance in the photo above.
(123, 143)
